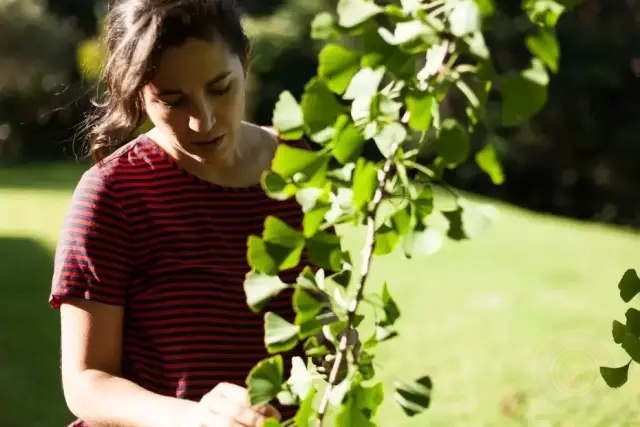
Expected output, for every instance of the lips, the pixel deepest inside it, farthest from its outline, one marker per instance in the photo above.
(215, 141)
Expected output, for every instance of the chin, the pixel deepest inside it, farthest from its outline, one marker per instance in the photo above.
(225, 154)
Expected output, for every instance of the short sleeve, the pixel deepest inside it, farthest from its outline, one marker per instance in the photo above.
(93, 258)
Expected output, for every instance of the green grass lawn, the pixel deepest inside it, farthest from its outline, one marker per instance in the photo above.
(511, 327)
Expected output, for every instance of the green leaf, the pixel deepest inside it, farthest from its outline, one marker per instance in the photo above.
(280, 335)
(408, 31)
(377, 52)
(423, 204)
(629, 285)
(308, 307)
(631, 344)
(300, 381)
(402, 220)
(265, 380)
(615, 377)
(545, 46)
(618, 330)
(420, 105)
(386, 240)
(305, 416)
(259, 288)
(487, 159)
(348, 141)
(365, 182)
(325, 251)
(464, 18)
(323, 27)
(391, 310)
(350, 412)
(390, 138)
(320, 108)
(423, 242)
(280, 233)
(414, 397)
(270, 258)
(452, 143)
(523, 94)
(287, 117)
(364, 83)
(355, 12)
(337, 66)
(543, 12)
(276, 187)
(633, 321)
(468, 221)
(290, 162)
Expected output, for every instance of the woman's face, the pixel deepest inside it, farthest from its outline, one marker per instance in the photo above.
(196, 100)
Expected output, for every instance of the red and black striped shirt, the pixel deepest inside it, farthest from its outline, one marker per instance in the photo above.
(170, 248)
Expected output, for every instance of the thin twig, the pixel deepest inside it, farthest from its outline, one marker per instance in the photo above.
(364, 274)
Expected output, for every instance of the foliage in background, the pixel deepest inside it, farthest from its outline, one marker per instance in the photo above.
(627, 335)
(382, 77)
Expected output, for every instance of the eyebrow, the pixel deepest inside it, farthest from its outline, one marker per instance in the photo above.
(216, 79)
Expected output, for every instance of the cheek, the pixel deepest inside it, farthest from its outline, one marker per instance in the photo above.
(174, 122)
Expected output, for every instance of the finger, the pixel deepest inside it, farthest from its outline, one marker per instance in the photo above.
(234, 392)
(269, 411)
(242, 414)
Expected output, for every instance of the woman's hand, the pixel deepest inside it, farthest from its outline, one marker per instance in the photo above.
(227, 405)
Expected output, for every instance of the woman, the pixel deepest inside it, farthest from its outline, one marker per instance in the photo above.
(149, 268)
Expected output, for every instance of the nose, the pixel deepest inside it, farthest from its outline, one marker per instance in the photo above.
(203, 118)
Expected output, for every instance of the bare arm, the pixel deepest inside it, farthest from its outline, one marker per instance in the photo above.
(91, 344)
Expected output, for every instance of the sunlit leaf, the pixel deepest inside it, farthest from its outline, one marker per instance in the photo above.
(390, 138)
(280, 335)
(287, 117)
(386, 240)
(423, 242)
(544, 12)
(337, 66)
(265, 380)
(545, 46)
(354, 12)
(259, 288)
(464, 18)
(365, 181)
(348, 141)
(320, 107)
(365, 83)
(323, 27)
(420, 105)
(487, 159)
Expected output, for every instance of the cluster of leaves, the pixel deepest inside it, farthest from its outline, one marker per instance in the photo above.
(626, 335)
(383, 74)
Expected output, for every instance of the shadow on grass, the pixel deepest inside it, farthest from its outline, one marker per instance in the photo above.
(30, 388)
(42, 176)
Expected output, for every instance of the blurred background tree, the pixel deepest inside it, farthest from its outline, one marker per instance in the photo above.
(578, 158)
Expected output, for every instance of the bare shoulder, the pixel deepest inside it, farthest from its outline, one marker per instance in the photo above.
(262, 142)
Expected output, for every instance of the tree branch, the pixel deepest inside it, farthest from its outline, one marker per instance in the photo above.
(383, 175)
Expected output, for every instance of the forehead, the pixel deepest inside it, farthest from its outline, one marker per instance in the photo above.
(194, 63)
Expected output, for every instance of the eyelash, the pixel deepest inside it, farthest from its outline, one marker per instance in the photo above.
(217, 92)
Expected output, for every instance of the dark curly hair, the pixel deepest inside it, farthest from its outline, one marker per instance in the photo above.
(136, 33)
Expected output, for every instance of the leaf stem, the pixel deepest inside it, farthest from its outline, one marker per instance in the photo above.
(367, 257)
